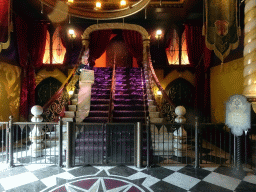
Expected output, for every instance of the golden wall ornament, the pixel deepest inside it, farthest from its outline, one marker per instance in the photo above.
(221, 28)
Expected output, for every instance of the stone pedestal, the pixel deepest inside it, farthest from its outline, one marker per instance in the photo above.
(36, 134)
(180, 135)
(84, 94)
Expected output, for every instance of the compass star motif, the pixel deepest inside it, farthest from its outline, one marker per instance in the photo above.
(100, 184)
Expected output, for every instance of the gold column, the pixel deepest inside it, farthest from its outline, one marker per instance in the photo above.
(250, 50)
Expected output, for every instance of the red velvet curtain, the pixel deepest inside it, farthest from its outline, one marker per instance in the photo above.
(134, 43)
(31, 44)
(4, 14)
(98, 44)
(37, 49)
(197, 50)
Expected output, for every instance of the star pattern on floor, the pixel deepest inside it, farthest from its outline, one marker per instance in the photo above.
(100, 184)
(180, 178)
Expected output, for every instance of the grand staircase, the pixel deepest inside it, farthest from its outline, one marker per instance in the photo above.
(132, 102)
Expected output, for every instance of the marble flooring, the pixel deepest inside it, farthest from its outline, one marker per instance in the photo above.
(180, 178)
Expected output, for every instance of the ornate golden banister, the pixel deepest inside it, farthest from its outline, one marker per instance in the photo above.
(56, 105)
(155, 79)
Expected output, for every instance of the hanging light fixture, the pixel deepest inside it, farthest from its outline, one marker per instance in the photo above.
(70, 1)
(98, 5)
(123, 3)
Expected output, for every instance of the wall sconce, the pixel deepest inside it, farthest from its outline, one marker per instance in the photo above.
(70, 1)
(70, 93)
(71, 33)
(158, 35)
(159, 93)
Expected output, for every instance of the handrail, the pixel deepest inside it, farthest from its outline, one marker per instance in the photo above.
(158, 83)
(64, 85)
(59, 96)
(112, 94)
(60, 90)
(144, 99)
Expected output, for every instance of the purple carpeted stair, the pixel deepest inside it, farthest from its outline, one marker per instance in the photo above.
(129, 104)
(100, 97)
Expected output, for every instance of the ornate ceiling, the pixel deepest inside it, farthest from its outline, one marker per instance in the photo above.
(110, 9)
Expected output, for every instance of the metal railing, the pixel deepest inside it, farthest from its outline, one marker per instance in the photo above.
(112, 93)
(19, 149)
(99, 143)
(202, 143)
(153, 85)
(124, 143)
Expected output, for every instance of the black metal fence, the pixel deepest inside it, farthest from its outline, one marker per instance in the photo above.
(202, 143)
(95, 143)
(21, 146)
(75, 144)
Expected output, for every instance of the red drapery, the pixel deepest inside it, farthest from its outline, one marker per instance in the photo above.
(37, 49)
(197, 50)
(133, 40)
(30, 57)
(98, 44)
(22, 41)
(4, 14)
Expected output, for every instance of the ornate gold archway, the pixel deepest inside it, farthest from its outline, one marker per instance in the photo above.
(125, 26)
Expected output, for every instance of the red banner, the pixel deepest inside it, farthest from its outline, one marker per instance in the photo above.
(4, 20)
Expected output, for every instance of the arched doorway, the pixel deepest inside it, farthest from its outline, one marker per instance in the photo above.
(117, 50)
(181, 92)
(122, 26)
(46, 89)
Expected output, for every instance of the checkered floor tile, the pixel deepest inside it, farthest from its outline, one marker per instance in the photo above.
(47, 178)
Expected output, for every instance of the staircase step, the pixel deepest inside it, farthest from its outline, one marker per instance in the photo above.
(129, 101)
(99, 101)
(72, 107)
(156, 120)
(150, 102)
(74, 101)
(152, 108)
(96, 119)
(129, 107)
(154, 114)
(128, 119)
(98, 114)
(117, 113)
(70, 114)
(103, 107)
(67, 119)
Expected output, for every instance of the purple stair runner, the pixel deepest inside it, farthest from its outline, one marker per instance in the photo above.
(129, 106)
(100, 96)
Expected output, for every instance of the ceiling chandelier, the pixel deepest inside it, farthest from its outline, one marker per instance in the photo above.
(96, 9)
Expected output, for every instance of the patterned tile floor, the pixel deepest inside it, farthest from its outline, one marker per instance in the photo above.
(39, 177)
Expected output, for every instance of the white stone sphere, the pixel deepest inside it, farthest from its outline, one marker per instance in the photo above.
(37, 110)
(180, 110)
